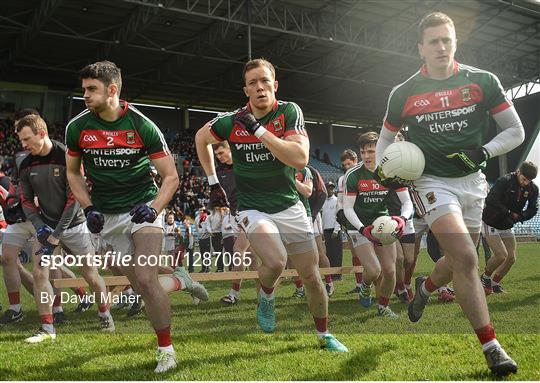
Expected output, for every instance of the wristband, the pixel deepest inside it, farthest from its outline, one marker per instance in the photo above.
(212, 179)
(260, 131)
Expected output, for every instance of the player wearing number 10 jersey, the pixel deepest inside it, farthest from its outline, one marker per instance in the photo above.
(446, 106)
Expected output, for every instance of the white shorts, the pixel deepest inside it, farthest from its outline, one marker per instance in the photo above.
(118, 231)
(229, 226)
(317, 225)
(76, 240)
(292, 225)
(490, 230)
(435, 197)
(420, 226)
(409, 227)
(357, 239)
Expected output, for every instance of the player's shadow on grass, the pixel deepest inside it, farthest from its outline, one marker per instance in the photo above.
(356, 366)
(66, 369)
(508, 305)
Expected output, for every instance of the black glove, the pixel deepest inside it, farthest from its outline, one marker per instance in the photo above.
(94, 219)
(43, 234)
(13, 212)
(143, 213)
(469, 160)
(48, 249)
(218, 198)
(247, 121)
(390, 182)
(340, 218)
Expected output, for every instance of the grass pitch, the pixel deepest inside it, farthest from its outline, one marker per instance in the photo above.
(216, 342)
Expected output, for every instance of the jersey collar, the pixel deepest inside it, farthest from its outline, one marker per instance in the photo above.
(274, 107)
(125, 108)
(424, 72)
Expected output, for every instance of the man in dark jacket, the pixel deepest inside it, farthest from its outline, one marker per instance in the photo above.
(505, 206)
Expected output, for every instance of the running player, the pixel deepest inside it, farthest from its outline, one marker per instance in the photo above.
(505, 206)
(59, 221)
(365, 200)
(268, 141)
(116, 143)
(349, 159)
(446, 106)
(240, 246)
(304, 186)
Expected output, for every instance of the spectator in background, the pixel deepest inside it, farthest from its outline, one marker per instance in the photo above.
(332, 229)
(505, 206)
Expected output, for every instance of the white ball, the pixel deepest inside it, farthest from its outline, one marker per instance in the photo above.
(403, 159)
(384, 229)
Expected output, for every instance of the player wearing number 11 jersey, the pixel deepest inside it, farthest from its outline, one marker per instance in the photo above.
(446, 106)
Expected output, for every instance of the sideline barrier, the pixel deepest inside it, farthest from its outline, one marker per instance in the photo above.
(203, 277)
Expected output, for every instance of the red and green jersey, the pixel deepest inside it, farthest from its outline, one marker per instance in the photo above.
(371, 197)
(115, 156)
(304, 175)
(444, 116)
(263, 182)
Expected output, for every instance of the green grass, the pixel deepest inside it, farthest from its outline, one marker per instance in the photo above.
(214, 342)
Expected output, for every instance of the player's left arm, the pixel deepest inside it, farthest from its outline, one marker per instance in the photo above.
(169, 181)
(407, 208)
(392, 123)
(511, 136)
(532, 207)
(305, 187)
(292, 151)
(70, 210)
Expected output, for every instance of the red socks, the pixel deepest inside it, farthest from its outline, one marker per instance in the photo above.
(164, 337)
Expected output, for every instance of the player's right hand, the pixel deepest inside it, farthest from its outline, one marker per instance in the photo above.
(94, 219)
(218, 198)
(389, 182)
(246, 120)
(401, 221)
(43, 234)
(366, 232)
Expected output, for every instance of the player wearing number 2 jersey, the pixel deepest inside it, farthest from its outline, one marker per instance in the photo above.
(268, 142)
(115, 143)
(446, 106)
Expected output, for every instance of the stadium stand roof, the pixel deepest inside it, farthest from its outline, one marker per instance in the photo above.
(337, 58)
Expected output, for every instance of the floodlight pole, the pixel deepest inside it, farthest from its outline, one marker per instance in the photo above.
(249, 28)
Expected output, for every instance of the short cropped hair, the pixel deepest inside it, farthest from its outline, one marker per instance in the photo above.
(19, 114)
(529, 170)
(36, 123)
(221, 144)
(368, 138)
(105, 71)
(433, 19)
(348, 154)
(258, 63)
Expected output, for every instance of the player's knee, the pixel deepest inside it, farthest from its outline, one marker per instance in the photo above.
(311, 279)
(39, 274)
(511, 258)
(372, 272)
(388, 272)
(467, 264)
(146, 283)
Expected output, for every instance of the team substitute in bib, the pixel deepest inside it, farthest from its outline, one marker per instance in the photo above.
(268, 142)
(115, 143)
(446, 106)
